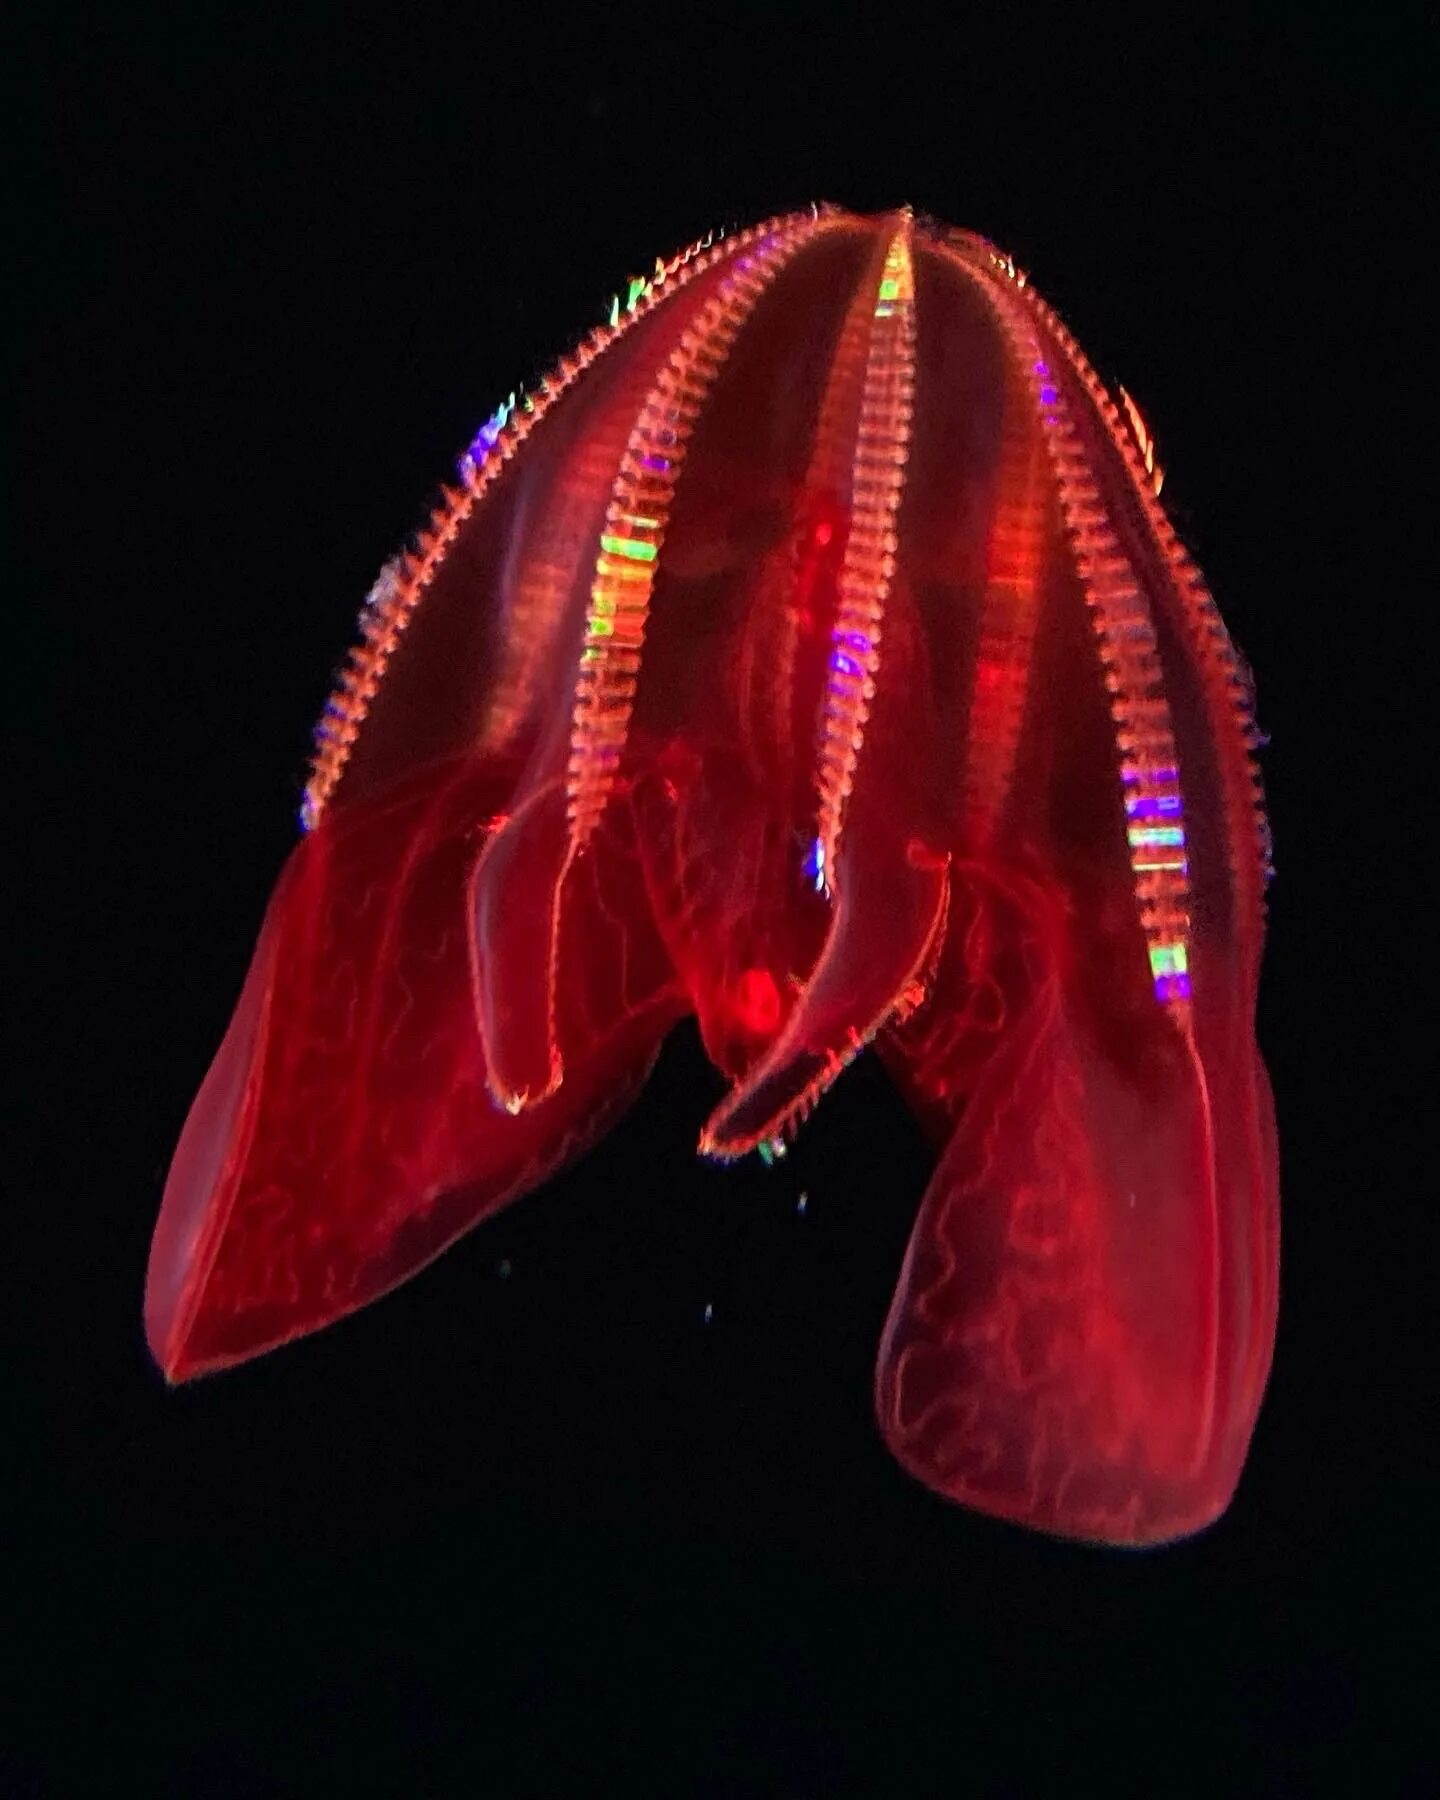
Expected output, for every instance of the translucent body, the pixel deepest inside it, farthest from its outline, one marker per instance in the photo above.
(810, 654)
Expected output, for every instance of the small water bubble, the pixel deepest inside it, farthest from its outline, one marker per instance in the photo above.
(709, 1312)
(802, 1202)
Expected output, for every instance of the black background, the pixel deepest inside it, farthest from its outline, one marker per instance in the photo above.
(549, 1531)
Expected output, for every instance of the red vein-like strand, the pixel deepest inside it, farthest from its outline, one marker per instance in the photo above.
(1009, 611)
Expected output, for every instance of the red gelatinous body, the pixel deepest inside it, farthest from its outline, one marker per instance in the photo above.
(809, 653)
